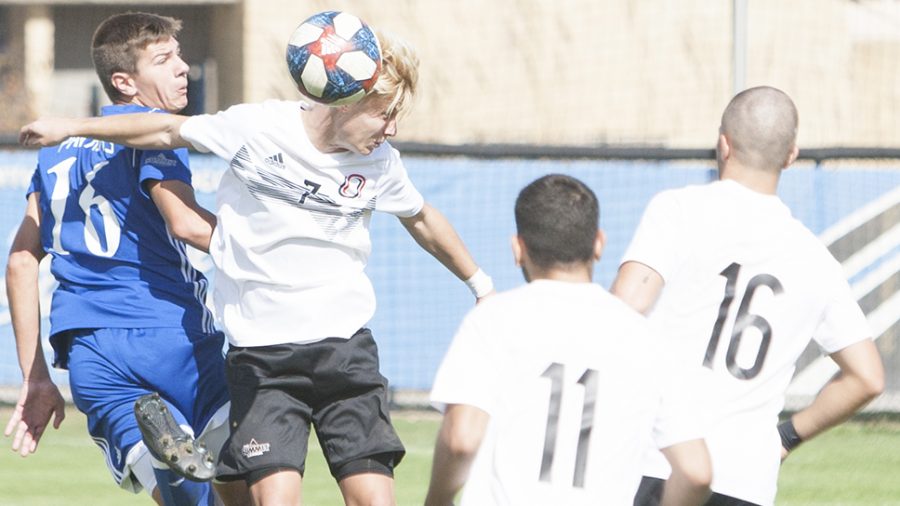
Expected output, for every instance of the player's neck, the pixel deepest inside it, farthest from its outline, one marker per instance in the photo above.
(569, 274)
(320, 129)
(761, 181)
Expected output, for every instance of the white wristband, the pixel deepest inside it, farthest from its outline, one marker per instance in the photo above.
(480, 283)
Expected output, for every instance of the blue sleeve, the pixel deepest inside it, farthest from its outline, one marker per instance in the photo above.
(36, 184)
(163, 165)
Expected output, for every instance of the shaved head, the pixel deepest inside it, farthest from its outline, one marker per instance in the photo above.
(761, 127)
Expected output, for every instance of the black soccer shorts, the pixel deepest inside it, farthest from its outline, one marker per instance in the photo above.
(650, 494)
(278, 390)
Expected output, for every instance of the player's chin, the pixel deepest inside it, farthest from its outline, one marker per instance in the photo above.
(177, 102)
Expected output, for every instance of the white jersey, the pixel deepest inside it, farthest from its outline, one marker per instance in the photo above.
(569, 377)
(292, 239)
(730, 254)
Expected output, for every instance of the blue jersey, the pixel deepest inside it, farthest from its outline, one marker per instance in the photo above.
(116, 264)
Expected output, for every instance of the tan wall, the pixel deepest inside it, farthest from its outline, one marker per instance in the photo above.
(595, 71)
(15, 106)
(227, 48)
(613, 71)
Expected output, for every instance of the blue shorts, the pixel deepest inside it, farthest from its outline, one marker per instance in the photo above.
(110, 368)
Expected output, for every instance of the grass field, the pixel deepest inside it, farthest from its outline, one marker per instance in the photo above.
(857, 464)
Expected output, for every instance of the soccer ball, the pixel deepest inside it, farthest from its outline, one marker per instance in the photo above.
(334, 58)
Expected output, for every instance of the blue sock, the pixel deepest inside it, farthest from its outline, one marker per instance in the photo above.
(177, 491)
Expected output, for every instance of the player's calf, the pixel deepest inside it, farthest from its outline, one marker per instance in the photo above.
(169, 443)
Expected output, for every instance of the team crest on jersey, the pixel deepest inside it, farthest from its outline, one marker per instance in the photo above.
(254, 449)
(352, 187)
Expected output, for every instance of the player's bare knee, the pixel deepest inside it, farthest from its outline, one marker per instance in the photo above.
(371, 499)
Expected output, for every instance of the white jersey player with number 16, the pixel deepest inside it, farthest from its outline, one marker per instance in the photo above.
(739, 287)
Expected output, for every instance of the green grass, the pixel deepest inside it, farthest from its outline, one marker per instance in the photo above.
(68, 468)
(855, 464)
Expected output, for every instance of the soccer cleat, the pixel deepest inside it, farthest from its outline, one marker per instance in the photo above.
(169, 443)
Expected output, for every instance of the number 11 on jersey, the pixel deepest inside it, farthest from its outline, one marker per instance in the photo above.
(556, 373)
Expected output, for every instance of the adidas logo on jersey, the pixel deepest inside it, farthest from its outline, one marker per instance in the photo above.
(254, 449)
(276, 160)
(160, 160)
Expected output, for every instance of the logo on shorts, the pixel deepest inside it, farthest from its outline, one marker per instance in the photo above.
(254, 449)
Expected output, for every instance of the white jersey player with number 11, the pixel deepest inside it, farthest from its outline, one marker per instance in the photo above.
(739, 287)
(555, 384)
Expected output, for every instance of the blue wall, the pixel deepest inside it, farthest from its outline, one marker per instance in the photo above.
(420, 303)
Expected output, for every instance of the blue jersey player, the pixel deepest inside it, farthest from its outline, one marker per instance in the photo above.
(128, 318)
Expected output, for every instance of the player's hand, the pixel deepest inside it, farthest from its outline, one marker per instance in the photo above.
(784, 453)
(45, 132)
(38, 401)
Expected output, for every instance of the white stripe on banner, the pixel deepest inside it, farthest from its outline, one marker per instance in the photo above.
(860, 216)
(868, 254)
(811, 379)
(807, 382)
(876, 277)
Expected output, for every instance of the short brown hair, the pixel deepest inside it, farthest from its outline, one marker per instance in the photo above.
(118, 40)
(557, 216)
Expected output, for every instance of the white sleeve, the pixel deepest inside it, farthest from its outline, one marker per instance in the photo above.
(396, 193)
(468, 374)
(843, 322)
(658, 240)
(683, 414)
(224, 132)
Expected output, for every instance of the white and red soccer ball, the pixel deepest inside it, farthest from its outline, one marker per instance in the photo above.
(334, 58)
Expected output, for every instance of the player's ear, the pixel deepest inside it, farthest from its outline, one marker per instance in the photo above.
(123, 82)
(517, 248)
(795, 152)
(599, 242)
(723, 148)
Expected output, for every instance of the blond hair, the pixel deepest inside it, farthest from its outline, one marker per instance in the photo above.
(399, 73)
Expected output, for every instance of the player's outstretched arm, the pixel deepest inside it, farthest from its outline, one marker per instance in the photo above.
(860, 380)
(457, 443)
(688, 485)
(436, 235)
(186, 220)
(140, 130)
(39, 399)
(638, 285)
